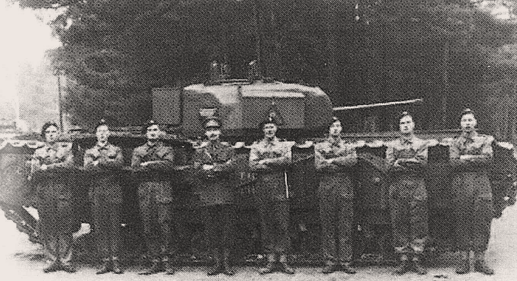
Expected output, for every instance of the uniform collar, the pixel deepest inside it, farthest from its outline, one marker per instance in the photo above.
(156, 144)
(407, 140)
(214, 143)
(469, 135)
(272, 142)
(105, 146)
(54, 146)
(334, 141)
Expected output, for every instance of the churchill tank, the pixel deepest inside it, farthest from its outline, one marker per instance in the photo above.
(303, 113)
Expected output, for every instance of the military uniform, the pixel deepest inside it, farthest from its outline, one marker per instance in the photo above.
(56, 218)
(408, 195)
(336, 194)
(215, 190)
(156, 200)
(106, 196)
(272, 193)
(472, 192)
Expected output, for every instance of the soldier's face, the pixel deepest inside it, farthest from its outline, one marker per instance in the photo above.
(153, 132)
(406, 125)
(51, 134)
(335, 128)
(102, 133)
(213, 133)
(468, 122)
(269, 130)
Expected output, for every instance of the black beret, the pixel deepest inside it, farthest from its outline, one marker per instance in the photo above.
(334, 120)
(404, 114)
(212, 122)
(268, 120)
(467, 111)
(101, 123)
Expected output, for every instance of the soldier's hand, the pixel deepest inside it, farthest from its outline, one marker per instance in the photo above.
(44, 167)
(207, 167)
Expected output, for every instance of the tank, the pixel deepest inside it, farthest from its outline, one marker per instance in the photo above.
(303, 113)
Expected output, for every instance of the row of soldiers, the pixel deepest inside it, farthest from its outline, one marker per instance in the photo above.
(214, 162)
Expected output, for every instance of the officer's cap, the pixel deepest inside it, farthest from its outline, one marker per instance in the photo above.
(268, 120)
(212, 122)
(46, 126)
(102, 122)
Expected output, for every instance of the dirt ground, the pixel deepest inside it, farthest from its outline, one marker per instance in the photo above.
(23, 260)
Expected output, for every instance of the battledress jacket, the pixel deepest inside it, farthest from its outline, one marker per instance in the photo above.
(272, 177)
(155, 176)
(54, 184)
(215, 186)
(105, 177)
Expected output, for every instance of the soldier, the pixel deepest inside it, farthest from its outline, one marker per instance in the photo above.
(54, 198)
(214, 161)
(153, 160)
(406, 157)
(470, 155)
(103, 160)
(269, 158)
(334, 159)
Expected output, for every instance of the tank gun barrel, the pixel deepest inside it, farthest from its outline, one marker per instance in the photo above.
(382, 104)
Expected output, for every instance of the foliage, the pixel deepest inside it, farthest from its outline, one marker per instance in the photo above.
(115, 51)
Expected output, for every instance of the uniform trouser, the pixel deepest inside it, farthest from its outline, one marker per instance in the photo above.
(58, 246)
(274, 220)
(473, 210)
(157, 220)
(336, 215)
(106, 217)
(219, 226)
(409, 214)
(55, 226)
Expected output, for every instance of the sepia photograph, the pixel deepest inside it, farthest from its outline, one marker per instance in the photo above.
(258, 140)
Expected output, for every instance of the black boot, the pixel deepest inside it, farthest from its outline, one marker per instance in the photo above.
(480, 264)
(106, 267)
(284, 266)
(403, 267)
(270, 266)
(156, 267)
(345, 267)
(53, 267)
(329, 267)
(116, 266)
(464, 265)
(68, 267)
(227, 270)
(417, 266)
(217, 267)
(169, 266)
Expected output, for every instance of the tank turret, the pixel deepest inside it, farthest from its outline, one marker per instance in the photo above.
(302, 111)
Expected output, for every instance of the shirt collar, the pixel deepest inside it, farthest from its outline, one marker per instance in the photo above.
(156, 144)
(99, 147)
(214, 143)
(54, 146)
(271, 142)
(334, 141)
(469, 135)
(407, 140)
